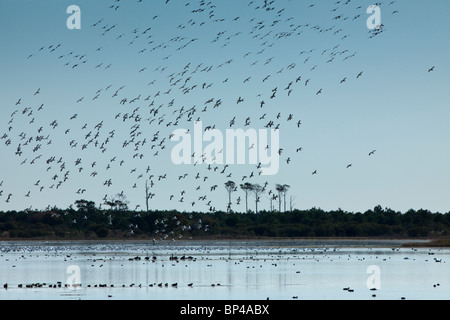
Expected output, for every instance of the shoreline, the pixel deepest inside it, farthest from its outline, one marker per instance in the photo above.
(258, 242)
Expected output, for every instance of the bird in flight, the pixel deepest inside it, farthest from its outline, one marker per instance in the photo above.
(372, 152)
(187, 81)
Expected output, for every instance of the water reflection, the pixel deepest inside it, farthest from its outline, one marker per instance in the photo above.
(222, 270)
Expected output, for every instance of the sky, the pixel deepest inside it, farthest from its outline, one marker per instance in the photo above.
(88, 113)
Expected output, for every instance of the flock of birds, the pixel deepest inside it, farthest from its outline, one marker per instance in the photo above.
(184, 267)
(128, 145)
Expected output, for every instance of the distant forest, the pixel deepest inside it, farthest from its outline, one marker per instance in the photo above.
(86, 221)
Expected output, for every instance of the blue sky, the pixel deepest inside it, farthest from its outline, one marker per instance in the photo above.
(226, 50)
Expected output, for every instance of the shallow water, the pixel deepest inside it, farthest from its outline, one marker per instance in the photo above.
(223, 270)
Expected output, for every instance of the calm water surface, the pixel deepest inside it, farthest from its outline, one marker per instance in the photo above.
(225, 270)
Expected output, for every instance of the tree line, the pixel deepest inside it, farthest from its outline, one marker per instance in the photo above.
(257, 190)
(87, 221)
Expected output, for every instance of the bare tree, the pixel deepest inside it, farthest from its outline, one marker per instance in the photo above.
(291, 203)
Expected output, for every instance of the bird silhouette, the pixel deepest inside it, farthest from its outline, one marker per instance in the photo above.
(176, 94)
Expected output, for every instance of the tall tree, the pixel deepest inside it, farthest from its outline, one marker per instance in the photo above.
(286, 188)
(230, 186)
(282, 190)
(272, 198)
(147, 194)
(257, 191)
(247, 187)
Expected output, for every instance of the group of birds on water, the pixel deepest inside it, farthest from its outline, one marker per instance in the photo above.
(293, 261)
(134, 140)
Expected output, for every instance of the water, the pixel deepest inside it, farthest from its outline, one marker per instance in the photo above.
(223, 270)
